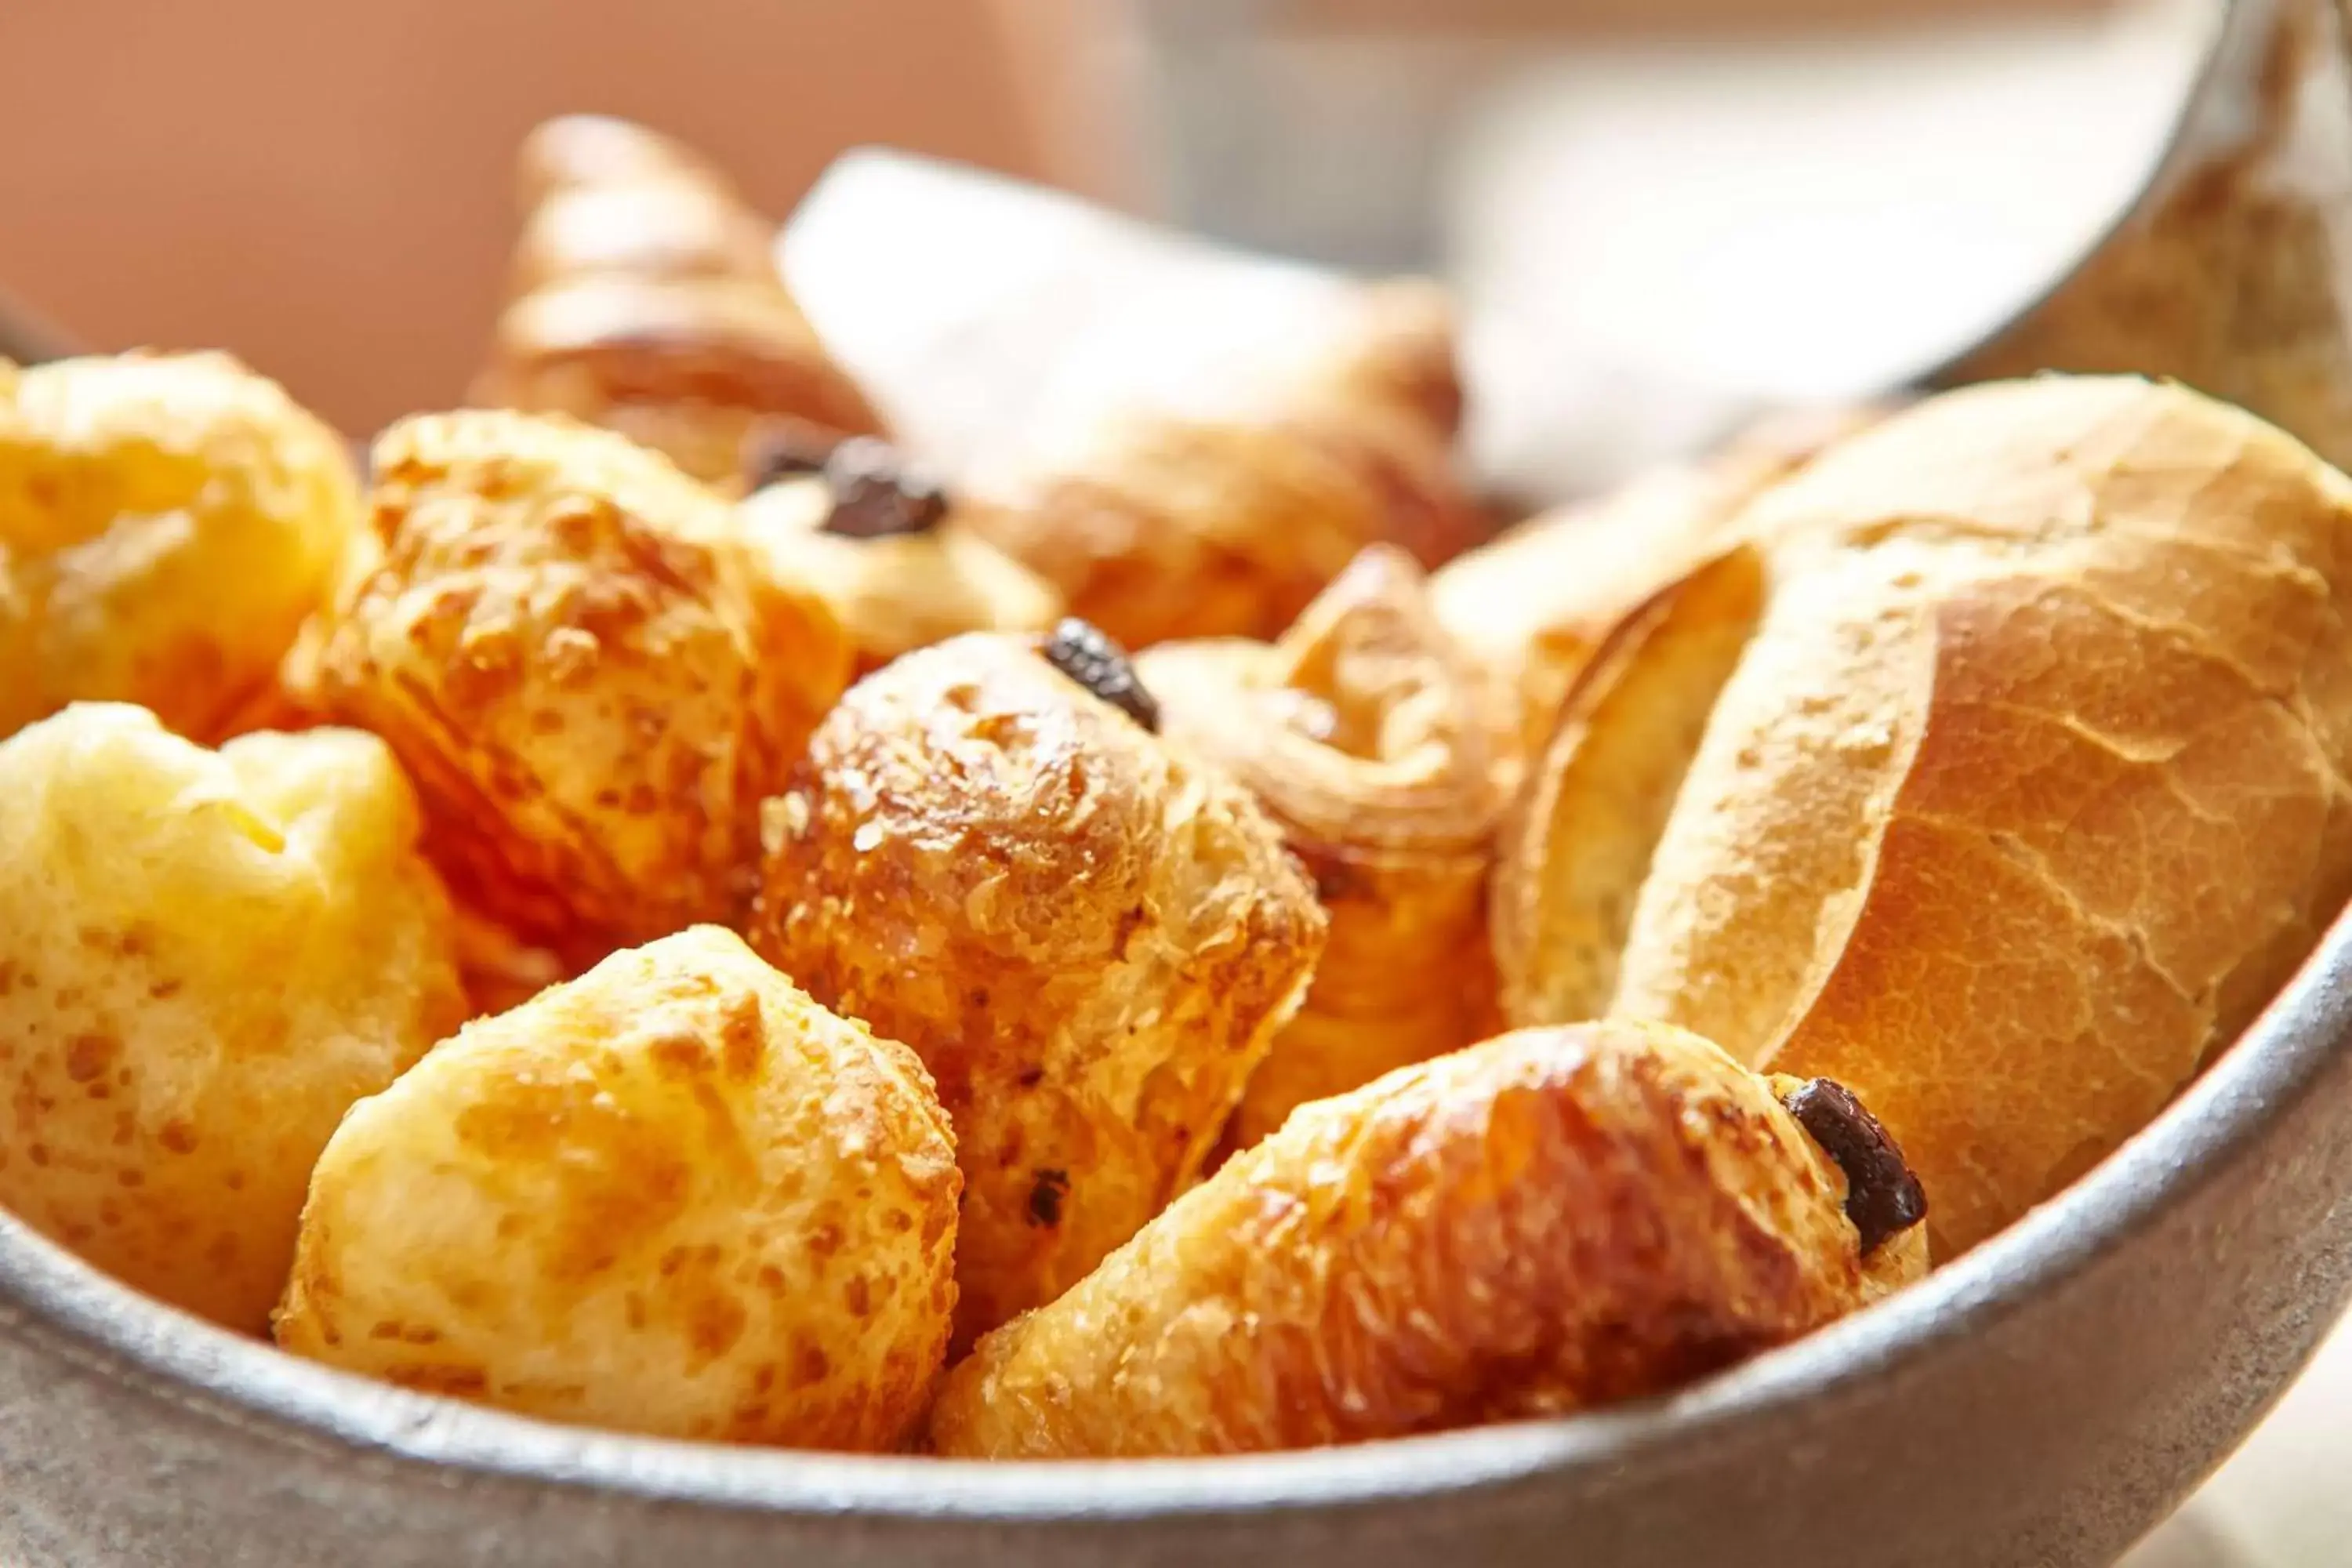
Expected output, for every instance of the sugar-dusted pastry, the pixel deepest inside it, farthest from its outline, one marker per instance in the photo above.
(2023, 795)
(205, 958)
(1359, 732)
(1185, 441)
(166, 523)
(1089, 938)
(1552, 1220)
(593, 678)
(1532, 605)
(882, 543)
(674, 1195)
(645, 300)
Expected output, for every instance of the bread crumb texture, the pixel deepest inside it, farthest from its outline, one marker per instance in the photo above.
(205, 959)
(674, 1195)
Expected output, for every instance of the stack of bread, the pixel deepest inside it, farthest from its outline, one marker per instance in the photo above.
(659, 912)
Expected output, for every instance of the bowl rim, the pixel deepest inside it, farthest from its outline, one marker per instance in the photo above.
(70, 1309)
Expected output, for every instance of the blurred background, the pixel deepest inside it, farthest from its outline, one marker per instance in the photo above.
(1640, 201)
(1644, 205)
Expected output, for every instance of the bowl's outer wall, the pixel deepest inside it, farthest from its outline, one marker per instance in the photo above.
(2019, 1413)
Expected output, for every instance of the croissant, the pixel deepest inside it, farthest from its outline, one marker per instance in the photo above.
(1533, 605)
(1997, 773)
(1089, 939)
(1357, 732)
(645, 300)
(1184, 441)
(885, 549)
(1555, 1219)
(592, 676)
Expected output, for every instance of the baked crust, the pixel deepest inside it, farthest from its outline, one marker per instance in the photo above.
(1227, 522)
(1358, 731)
(645, 300)
(1552, 1220)
(205, 958)
(2027, 791)
(899, 592)
(1533, 605)
(591, 677)
(167, 522)
(674, 1195)
(1088, 938)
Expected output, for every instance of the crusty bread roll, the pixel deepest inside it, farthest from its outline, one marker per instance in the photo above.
(1358, 730)
(2025, 795)
(1533, 605)
(645, 300)
(1554, 1219)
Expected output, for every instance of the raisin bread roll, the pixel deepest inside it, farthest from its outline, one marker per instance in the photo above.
(1550, 1221)
(1090, 939)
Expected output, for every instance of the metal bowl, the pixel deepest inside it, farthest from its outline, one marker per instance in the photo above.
(2045, 1399)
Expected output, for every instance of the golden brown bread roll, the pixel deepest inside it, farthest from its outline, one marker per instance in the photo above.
(1551, 1220)
(2024, 796)
(1533, 605)
(1359, 732)
(673, 1195)
(594, 679)
(885, 549)
(1088, 938)
(1224, 520)
(646, 301)
(167, 522)
(205, 958)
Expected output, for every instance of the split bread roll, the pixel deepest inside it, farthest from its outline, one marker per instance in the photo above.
(1532, 605)
(1999, 774)
(645, 300)
(1089, 937)
(1553, 1220)
(1358, 731)
(673, 1195)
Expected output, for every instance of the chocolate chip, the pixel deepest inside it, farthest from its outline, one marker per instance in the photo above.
(1045, 1197)
(875, 494)
(1882, 1195)
(1080, 650)
(785, 449)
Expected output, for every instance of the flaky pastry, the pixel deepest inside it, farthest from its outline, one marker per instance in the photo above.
(1552, 1220)
(645, 300)
(1088, 938)
(1197, 522)
(592, 676)
(166, 523)
(674, 1195)
(1359, 732)
(889, 554)
(2024, 794)
(205, 958)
